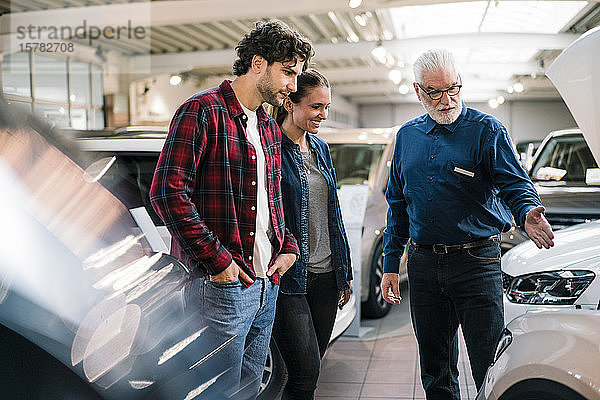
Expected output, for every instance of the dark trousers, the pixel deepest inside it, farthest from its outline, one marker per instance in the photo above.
(463, 287)
(302, 329)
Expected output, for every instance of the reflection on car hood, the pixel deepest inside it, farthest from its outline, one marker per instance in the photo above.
(584, 324)
(571, 246)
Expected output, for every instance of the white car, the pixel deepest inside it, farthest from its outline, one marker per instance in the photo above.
(136, 151)
(566, 276)
(555, 354)
(549, 355)
(363, 156)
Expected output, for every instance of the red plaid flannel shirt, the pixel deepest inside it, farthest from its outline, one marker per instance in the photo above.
(204, 185)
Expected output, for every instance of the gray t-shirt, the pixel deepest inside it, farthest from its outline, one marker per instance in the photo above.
(319, 260)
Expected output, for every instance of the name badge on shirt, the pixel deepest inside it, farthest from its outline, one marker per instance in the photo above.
(464, 172)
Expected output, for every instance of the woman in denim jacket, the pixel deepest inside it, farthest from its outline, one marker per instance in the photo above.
(320, 281)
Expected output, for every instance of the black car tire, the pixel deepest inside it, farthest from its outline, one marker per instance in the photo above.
(540, 389)
(274, 375)
(376, 306)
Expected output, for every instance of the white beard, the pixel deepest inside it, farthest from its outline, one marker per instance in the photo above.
(441, 118)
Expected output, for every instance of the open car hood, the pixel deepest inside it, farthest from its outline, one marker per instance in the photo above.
(576, 75)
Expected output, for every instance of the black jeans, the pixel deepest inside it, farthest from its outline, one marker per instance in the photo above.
(302, 329)
(462, 287)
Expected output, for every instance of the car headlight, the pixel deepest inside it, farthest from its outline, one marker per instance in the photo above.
(505, 341)
(553, 287)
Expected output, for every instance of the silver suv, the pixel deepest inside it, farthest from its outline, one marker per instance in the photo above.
(563, 172)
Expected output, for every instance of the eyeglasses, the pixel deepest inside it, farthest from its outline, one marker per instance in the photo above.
(437, 94)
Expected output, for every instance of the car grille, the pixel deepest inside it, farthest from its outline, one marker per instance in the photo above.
(506, 280)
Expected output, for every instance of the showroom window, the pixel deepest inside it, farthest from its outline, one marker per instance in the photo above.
(65, 91)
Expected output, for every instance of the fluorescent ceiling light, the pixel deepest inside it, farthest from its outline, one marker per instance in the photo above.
(518, 87)
(395, 76)
(354, 3)
(175, 80)
(360, 19)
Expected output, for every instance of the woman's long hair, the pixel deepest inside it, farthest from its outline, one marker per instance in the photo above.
(309, 79)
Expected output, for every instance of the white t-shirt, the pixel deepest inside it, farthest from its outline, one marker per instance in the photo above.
(263, 249)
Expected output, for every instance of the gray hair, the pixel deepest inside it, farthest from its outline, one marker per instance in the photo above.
(433, 60)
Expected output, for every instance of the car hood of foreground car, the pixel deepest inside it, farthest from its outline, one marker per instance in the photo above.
(571, 246)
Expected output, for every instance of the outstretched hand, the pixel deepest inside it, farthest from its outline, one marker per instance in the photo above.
(538, 229)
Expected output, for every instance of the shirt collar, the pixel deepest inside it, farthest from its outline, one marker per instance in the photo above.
(430, 123)
(286, 141)
(233, 104)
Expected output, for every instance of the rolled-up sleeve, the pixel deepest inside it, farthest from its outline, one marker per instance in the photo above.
(290, 245)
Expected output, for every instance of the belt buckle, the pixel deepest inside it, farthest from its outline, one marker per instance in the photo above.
(439, 248)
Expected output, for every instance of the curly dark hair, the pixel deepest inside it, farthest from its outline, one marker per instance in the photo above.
(309, 79)
(275, 42)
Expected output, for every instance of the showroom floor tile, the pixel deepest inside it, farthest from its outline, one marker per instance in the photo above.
(382, 364)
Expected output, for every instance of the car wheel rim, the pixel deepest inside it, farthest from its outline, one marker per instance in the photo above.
(267, 372)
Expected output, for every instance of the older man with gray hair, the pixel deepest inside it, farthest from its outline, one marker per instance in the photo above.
(454, 183)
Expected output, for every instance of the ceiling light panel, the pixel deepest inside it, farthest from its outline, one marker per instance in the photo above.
(437, 19)
(530, 16)
(476, 16)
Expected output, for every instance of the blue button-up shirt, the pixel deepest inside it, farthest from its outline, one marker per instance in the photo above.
(453, 184)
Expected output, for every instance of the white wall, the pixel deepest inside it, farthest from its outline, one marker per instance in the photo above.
(524, 119)
(342, 113)
(534, 120)
(161, 100)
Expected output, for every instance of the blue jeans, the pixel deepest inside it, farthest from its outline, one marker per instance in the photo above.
(462, 287)
(242, 317)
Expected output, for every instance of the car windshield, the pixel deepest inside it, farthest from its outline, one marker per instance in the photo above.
(356, 164)
(564, 158)
(129, 178)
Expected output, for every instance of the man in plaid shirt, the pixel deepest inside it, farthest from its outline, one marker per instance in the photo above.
(217, 188)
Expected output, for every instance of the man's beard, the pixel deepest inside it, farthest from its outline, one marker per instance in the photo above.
(442, 118)
(268, 91)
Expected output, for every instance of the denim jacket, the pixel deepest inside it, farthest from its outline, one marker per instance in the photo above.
(294, 190)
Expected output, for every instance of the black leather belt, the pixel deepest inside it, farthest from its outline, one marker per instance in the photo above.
(439, 248)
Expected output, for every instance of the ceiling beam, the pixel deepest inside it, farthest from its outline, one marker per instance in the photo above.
(168, 63)
(163, 13)
(470, 85)
(381, 72)
(474, 97)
